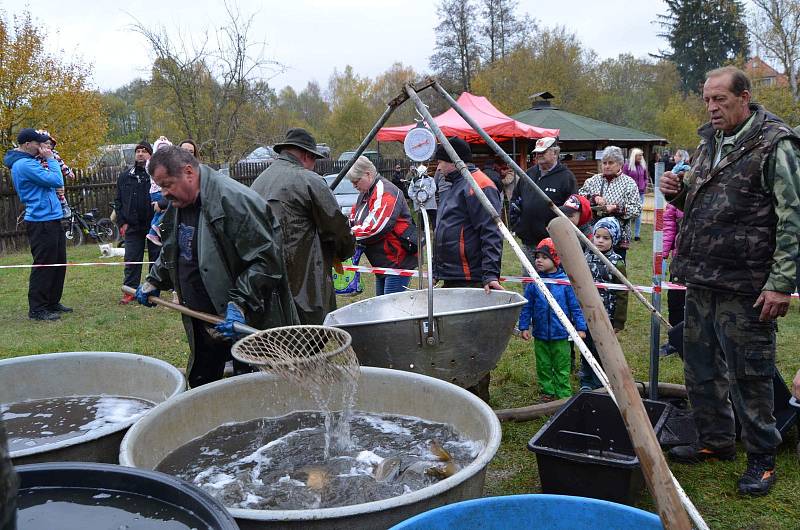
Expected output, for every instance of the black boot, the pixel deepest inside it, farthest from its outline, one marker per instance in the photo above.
(696, 453)
(759, 476)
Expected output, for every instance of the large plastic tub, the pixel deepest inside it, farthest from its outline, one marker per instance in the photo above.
(553, 512)
(584, 450)
(82, 374)
(246, 397)
(101, 483)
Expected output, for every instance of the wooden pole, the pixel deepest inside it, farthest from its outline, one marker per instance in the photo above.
(654, 467)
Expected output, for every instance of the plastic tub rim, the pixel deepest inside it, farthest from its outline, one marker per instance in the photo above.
(178, 388)
(520, 301)
(206, 500)
(532, 496)
(481, 461)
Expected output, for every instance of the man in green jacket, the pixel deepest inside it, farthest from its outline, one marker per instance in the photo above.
(736, 251)
(315, 231)
(222, 254)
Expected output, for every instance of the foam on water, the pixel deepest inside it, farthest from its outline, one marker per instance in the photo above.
(40, 422)
(279, 463)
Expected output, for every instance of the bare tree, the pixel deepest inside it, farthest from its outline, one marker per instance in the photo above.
(775, 24)
(502, 30)
(457, 49)
(210, 88)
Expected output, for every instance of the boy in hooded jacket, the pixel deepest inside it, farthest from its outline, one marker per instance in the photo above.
(552, 348)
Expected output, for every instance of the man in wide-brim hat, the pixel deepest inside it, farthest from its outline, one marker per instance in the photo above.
(315, 232)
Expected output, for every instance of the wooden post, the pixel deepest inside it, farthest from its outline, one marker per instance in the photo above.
(654, 467)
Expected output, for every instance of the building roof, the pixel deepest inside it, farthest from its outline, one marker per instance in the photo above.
(578, 128)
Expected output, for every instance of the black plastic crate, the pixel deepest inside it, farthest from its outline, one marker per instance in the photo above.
(584, 450)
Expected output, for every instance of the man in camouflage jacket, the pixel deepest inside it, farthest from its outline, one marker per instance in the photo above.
(736, 250)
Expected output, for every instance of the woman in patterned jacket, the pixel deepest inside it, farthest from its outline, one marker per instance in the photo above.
(614, 194)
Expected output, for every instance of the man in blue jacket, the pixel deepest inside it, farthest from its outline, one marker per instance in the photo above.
(36, 187)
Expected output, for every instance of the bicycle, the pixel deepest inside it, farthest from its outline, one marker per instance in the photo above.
(80, 225)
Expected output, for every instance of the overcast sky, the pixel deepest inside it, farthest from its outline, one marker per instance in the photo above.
(312, 37)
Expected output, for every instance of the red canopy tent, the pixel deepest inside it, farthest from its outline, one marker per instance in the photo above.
(496, 124)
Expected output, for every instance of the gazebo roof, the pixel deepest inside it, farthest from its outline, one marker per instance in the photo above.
(576, 128)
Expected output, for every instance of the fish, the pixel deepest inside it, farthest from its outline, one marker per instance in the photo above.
(442, 471)
(317, 478)
(388, 469)
(439, 452)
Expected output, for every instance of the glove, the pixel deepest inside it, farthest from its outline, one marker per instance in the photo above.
(233, 315)
(144, 291)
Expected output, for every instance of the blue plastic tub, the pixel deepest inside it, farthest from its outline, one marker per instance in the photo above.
(551, 512)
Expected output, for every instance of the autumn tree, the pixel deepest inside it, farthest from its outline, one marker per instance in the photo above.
(43, 90)
(553, 60)
(457, 51)
(775, 25)
(703, 35)
(679, 120)
(352, 116)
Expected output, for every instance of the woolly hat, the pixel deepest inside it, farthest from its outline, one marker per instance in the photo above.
(144, 144)
(612, 225)
(548, 248)
(460, 146)
(578, 203)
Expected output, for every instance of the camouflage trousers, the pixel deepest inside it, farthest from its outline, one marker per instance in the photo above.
(729, 359)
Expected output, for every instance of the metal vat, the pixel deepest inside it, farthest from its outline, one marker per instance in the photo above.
(82, 374)
(471, 329)
(247, 397)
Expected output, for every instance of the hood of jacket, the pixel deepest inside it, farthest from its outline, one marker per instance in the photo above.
(14, 155)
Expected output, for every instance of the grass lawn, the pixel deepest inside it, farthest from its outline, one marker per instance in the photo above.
(99, 323)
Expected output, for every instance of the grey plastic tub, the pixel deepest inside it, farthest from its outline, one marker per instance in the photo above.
(81, 374)
(247, 397)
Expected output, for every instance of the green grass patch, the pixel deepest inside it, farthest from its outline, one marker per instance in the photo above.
(99, 323)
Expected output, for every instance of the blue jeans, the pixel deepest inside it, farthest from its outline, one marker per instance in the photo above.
(637, 228)
(386, 284)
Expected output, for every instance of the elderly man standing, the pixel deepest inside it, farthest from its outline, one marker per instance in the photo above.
(529, 211)
(222, 254)
(36, 187)
(315, 232)
(736, 250)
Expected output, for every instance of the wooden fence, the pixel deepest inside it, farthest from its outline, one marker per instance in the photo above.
(96, 188)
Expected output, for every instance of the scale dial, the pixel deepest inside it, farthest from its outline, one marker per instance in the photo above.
(419, 144)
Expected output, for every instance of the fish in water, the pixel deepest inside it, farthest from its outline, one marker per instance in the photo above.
(394, 467)
(317, 479)
(439, 452)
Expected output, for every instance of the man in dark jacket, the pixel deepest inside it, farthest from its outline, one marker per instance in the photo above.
(315, 232)
(134, 213)
(737, 248)
(469, 245)
(222, 254)
(36, 187)
(529, 212)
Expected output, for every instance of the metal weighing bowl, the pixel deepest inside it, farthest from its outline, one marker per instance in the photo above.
(472, 330)
(247, 397)
(84, 374)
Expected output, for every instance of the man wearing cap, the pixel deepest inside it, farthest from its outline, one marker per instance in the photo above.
(36, 187)
(529, 211)
(315, 232)
(134, 212)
